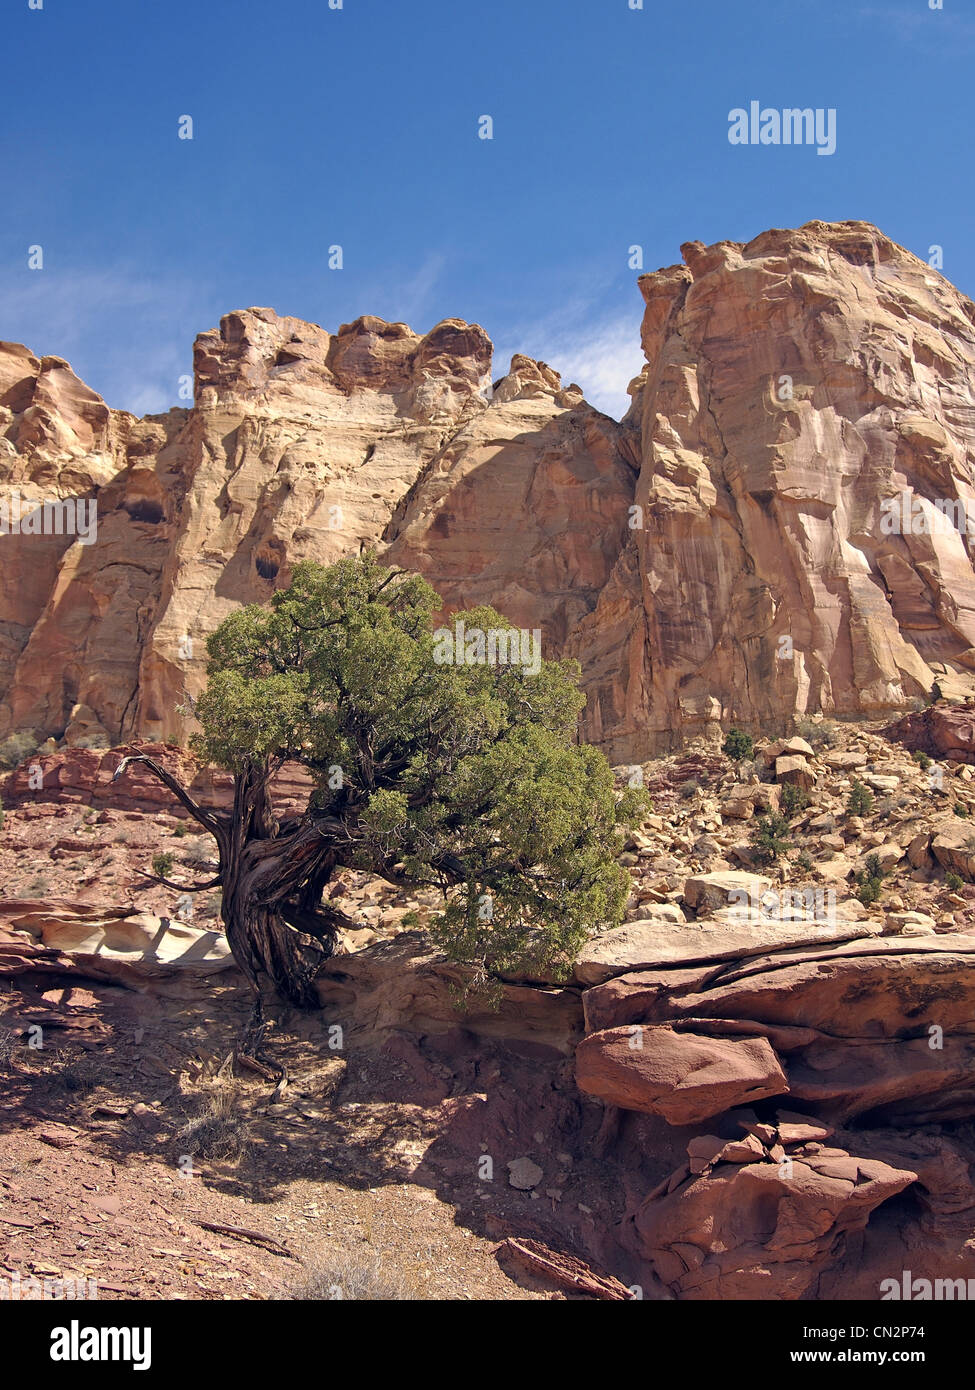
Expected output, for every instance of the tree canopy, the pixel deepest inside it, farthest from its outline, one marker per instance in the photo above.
(426, 772)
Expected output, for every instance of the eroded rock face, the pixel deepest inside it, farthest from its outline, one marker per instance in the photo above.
(942, 731)
(300, 445)
(125, 945)
(405, 984)
(719, 555)
(793, 385)
(683, 1077)
(867, 1031)
(761, 1230)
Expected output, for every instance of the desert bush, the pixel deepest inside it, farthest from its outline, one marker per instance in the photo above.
(869, 881)
(738, 745)
(768, 838)
(961, 809)
(162, 863)
(860, 800)
(954, 881)
(688, 789)
(362, 1276)
(922, 760)
(819, 734)
(77, 1075)
(16, 747)
(794, 799)
(805, 861)
(219, 1130)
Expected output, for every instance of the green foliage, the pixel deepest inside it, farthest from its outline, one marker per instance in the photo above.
(180, 829)
(16, 747)
(869, 881)
(163, 863)
(794, 799)
(818, 733)
(738, 745)
(860, 800)
(689, 788)
(460, 776)
(922, 760)
(961, 809)
(805, 860)
(768, 838)
(867, 889)
(954, 881)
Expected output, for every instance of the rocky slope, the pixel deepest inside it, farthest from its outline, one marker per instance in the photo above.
(718, 555)
(758, 1086)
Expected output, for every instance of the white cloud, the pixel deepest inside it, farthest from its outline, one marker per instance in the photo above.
(126, 335)
(600, 355)
(408, 298)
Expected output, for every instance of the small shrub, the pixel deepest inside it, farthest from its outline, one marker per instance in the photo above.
(181, 829)
(738, 745)
(860, 800)
(768, 838)
(869, 881)
(805, 861)
(885, 806)
(922, 760)
(867, 889)
(794, 799)
(353, 1275)
(162, 864)
(78, 1075)
(961, 809)
(954, 881)
(219, 1131)
(15, 748)
(688, 789)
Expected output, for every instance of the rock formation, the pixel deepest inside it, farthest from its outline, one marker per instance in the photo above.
(732, 550)
(758, 1086)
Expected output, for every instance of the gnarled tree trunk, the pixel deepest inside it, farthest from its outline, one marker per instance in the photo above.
(272, 877)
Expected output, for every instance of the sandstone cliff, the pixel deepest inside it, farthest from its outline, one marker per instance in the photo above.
(719, 555)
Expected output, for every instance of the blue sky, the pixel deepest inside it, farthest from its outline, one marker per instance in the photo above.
(359, 127)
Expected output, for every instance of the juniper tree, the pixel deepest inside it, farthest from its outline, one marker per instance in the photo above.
(464, 777)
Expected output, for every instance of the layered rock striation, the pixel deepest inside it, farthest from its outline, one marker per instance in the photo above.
(778, 525)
